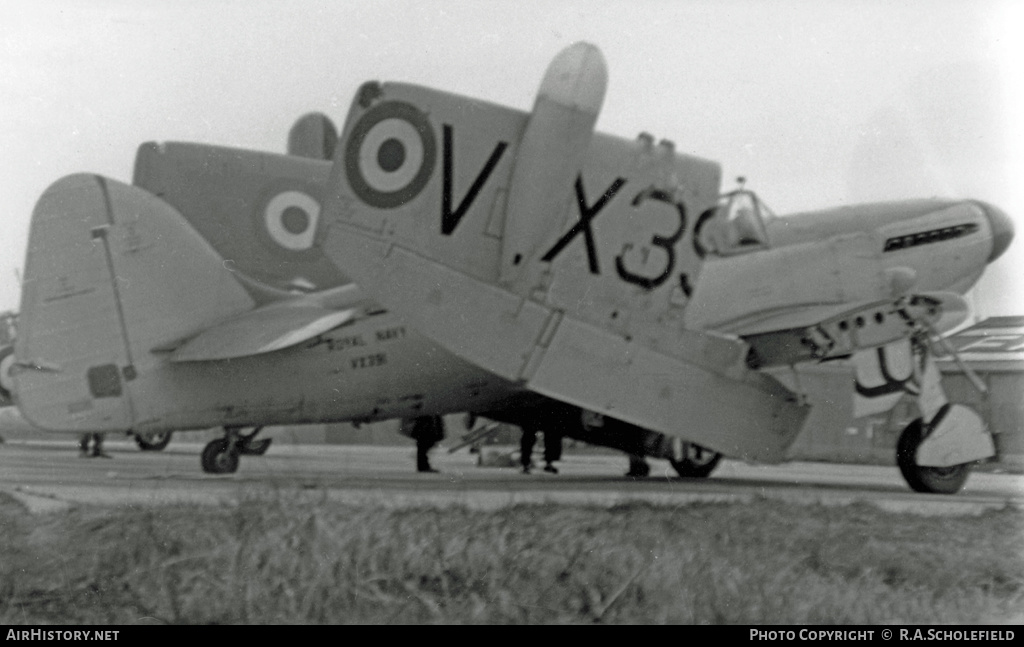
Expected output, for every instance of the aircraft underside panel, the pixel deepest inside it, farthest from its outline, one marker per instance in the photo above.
(755, 418)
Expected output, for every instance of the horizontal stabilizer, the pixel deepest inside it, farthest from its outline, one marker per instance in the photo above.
(263, 330)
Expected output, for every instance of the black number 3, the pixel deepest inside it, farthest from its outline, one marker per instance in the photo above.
(666, 243)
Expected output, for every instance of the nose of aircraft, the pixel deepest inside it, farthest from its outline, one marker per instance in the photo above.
(1002, 229)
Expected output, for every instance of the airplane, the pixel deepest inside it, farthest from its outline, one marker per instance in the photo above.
(313, 135)
(245, 220)
(241, 208)
(472, 232)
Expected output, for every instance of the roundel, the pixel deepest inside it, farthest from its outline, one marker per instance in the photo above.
(6, 380)
(291, 218)
(390, 154)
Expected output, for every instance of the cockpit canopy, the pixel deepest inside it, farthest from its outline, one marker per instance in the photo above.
(737, 226)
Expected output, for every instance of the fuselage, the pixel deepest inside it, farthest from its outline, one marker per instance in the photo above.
(946, 242)
(851, 255)
(372, 368)
(376, 367)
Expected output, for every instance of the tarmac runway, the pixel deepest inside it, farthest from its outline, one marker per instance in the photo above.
(49, 475)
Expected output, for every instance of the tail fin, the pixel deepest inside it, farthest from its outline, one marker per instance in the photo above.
(112, 272)
(260, 211)
(314, 136)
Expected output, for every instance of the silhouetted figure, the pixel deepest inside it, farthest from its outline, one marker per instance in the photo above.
(427, 431)
(638, 466)
(97, 446)
(552, 449)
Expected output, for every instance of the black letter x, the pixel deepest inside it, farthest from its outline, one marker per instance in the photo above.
(587, 214)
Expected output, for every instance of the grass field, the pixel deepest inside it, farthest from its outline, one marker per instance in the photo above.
(291, 560)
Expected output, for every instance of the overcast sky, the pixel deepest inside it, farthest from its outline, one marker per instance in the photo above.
(816, 103)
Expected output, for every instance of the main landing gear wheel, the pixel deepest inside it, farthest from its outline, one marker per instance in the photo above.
(153, 442)
(220, 457)
(935, 480)
(696, 461)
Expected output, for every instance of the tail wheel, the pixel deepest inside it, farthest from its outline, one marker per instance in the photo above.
(934, 480)
(219, 457)
(153, 442)
(696, 461)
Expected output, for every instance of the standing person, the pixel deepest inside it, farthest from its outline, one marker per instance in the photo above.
(97, 446)
(552, 449)
(427, 431)
(638, 466)
(526, 443)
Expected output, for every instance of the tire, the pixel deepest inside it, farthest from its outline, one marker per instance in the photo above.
(218, 458)
(153, 442)
(932, 480)
(697, 461)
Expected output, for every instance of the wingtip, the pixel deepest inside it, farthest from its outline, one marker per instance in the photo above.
(577, 77)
